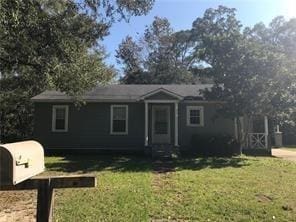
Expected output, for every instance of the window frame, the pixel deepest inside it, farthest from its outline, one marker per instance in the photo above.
(111, 120)
(201, 116)
(54, 108)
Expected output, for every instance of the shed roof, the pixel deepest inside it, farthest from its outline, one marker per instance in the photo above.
(125, 92)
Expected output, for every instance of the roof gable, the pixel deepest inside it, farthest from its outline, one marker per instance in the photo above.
(162, 94)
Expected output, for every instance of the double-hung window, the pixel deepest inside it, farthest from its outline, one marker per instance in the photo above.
(60, 118)
(195, 116)
(119, 119)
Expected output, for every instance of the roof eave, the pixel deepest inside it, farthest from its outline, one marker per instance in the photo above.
(85, 100)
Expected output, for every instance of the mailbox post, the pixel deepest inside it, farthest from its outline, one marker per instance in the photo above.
(15, 174)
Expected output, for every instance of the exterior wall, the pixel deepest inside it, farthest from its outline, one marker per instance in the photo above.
(89, 126)
(212, 125)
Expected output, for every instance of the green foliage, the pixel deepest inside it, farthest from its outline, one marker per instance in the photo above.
(53, 45)
(253, 68)
(16, 109)
(159, 57)
(213, 145)
(130, 52)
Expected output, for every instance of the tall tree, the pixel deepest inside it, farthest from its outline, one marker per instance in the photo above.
(159, 57)
(130, 54)
(53, 44)
(279, 38)
(252, 68)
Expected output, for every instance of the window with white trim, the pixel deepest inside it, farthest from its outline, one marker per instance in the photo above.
(119, 119)
(60, 118)
(195, 116)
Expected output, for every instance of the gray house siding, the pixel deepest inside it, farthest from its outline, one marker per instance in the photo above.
(89, 126)
(212, 125)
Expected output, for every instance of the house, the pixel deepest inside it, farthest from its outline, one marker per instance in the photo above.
(129, 117)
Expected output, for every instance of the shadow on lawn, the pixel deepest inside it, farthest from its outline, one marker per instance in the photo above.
(87, 163)
(129, 163)
(211, 162)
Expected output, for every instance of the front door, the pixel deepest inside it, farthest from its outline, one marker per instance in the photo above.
(161, 124)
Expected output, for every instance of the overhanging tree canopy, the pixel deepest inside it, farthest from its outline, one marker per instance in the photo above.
(254, 65)
(53, 44)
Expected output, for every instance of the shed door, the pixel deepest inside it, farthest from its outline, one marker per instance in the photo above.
(161, 124)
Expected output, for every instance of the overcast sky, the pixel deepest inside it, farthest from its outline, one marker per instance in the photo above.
(181, 14)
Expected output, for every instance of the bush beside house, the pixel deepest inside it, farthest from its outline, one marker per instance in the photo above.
(214, 145)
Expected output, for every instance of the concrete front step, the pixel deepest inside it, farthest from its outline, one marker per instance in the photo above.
(162, 151)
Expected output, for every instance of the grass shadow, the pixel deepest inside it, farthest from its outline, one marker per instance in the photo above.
(131, 163)
(92, 163)
(257, 152)
(200, 163)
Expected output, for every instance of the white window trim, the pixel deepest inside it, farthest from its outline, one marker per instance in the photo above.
(201, 110)
(54, 118)
(126, 120)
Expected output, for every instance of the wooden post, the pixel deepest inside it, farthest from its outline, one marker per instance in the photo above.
(266, 131)
(146, 124)
(176, 125)
(46, 186)
(235, 129)
(45, 201)
(242, 134)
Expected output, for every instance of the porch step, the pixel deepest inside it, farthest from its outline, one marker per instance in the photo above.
(162, 151)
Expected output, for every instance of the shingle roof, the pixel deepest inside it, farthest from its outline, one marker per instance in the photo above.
(124, 92)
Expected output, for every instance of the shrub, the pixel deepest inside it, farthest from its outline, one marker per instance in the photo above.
(214, 145)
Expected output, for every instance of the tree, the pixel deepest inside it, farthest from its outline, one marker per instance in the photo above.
(130, 54)
(253, 69)
(53, 44)
(159, 57)
(279, 38)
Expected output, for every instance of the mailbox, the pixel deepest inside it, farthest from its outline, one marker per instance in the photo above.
(20, 161)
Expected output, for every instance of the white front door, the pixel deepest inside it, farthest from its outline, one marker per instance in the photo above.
(161, 124)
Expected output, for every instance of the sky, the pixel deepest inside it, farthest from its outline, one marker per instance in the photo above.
(181, 14)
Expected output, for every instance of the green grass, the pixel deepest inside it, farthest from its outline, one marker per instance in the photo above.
(200, 189)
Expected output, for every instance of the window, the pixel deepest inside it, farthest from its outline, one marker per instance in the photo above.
(119, 119)
(195, 116)
(60, 118)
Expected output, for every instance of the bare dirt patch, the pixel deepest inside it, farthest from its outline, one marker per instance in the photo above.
(18, 206)
(163, 166)
(263, 198)
(162, 170)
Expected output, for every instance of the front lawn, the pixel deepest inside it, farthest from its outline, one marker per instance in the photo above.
(201, 189)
